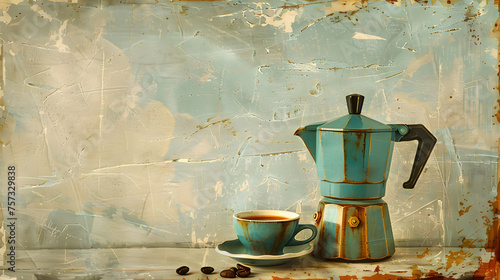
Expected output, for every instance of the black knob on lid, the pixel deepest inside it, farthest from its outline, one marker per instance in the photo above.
(354, 103)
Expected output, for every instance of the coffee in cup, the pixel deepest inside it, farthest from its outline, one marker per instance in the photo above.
(267, 232)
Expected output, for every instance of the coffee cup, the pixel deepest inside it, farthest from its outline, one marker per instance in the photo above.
(267, 232)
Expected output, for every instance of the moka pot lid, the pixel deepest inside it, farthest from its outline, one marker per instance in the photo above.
(354, 121)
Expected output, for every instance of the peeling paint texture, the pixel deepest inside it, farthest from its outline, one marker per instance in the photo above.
(158, 120)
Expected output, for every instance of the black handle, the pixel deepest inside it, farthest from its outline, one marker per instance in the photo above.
(354, 103)
(426, 142)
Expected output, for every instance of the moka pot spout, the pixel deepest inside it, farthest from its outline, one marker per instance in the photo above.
(309, 134)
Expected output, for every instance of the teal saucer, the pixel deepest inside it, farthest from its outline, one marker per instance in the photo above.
(234, 249)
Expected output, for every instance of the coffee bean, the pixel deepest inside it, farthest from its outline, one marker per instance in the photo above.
(233, 269)
(242, 273)
(242, 267)
(228, 273)
(183, 270)
(207, 269)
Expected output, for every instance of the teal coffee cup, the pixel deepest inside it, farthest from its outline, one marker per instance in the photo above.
(267, 232)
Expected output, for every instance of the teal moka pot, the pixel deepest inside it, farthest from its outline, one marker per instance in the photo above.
(353, 157)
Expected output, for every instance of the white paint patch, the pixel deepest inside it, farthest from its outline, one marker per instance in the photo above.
(245, 185)
(193, 237)
(302, 157)
(4, 6)
(5, 17)
(58, 38)
(203, 241)
(298, 208)
(218, 188)
(263, 14)
(451, 95)
(363, 36)
(285, 20)
(397, 3)
(306, 67)
(343, 6)
(492, 52)
(39, 10)
(206, 78)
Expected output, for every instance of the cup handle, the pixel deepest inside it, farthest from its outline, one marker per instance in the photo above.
(294, 242)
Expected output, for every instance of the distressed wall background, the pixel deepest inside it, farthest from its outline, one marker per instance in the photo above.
(149, 123)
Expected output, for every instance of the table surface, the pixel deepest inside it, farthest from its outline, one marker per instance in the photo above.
(161, 263)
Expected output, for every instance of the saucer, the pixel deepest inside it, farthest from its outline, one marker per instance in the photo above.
(234, 249)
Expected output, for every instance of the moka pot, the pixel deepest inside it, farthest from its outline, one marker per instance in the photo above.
(353, 158)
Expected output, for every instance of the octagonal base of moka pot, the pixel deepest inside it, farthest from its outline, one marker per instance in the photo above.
(353, 230)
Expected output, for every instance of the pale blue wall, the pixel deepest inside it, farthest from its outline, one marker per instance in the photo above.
(160, 120)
